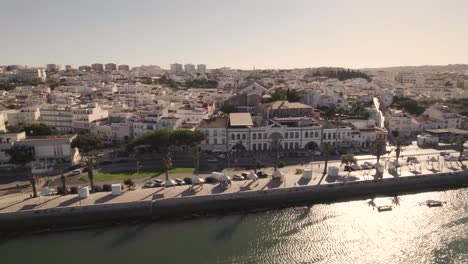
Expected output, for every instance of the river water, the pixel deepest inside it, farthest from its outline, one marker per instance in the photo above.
(346, 232)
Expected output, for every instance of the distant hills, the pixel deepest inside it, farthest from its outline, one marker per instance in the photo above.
(422, 68)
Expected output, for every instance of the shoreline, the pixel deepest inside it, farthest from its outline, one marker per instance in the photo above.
(95, 216)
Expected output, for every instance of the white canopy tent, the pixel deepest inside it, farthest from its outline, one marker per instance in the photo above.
(252, 176)
(451, 158)
(197, 180)
(278, 175)
(307, 174)
(170, 182)
(333, 171)
(47, 191)
(217, 175)
(224, 178)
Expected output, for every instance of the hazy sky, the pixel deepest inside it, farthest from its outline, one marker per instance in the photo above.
(235, 33)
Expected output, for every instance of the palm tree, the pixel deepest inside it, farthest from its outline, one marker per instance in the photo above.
(378, 148)
(275, 147)
(460, 142)
(88, 162)
(325, 148)
(167, 164)
(398, 145)
(33, 181)
(348, 160)
(64, 184)
(196, 154)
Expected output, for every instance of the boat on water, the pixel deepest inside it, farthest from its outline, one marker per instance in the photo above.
(433, 203)
(384, 208)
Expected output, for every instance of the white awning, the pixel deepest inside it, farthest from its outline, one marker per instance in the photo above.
(252, 176)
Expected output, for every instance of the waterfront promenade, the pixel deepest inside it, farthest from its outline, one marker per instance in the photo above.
(22, 201)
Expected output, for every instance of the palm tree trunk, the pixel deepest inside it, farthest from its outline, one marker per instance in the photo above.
(33, 181)
(91, 179)
(64, 184)
(166, 171)
(326, 165)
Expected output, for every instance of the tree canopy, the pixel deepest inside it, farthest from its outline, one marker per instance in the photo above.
(161, 140)
(202, 83)
(378, 148)
(286, 95)
(409, 105)
(20, 155)
(355, 110)
(227, 109)
(34, 130)
(86, 143)
(343, 74)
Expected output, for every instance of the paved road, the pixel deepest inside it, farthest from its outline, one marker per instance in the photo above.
(247, 159)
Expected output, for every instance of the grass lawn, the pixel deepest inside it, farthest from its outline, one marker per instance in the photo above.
(109, 176)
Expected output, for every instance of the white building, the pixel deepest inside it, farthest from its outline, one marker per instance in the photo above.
(57, 116)
(31, 74)
(176, 68)
(238, 132)
(399, 123)
(52, 151)
(444, 115)
(54, 67)
(26, 116)
(201, 68)
(83, 115)
(7, 140)
(189, 68)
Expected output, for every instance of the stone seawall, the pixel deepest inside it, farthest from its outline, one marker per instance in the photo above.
(76, 216)
(304, 195)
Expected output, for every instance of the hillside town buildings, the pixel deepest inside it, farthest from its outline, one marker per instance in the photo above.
(117, 103)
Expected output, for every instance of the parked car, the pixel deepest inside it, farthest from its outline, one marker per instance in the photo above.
(179, 181)
(316, 153)
(365, 167)
(238, 177)
(158, 183)
(261, 174)
(210, 179)
(353, 167)
(97, 188)
(75, 172)
(122, 161)
(221, 156)
(74, 190)
(443, 153)
(188, 180)
(105, 162)
(149, 184)
(106, 188)
(212, 160)
(244, 174)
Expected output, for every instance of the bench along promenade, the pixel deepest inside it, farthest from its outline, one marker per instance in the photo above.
(20, 212)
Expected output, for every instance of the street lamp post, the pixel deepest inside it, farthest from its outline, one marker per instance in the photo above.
(138, 166)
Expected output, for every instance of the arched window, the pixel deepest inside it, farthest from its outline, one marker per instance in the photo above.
(254, 136)
(306, 134)
(243, 137)
(233, 137)
(238, 136)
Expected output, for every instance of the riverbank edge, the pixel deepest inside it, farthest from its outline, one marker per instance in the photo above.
(74, 217)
